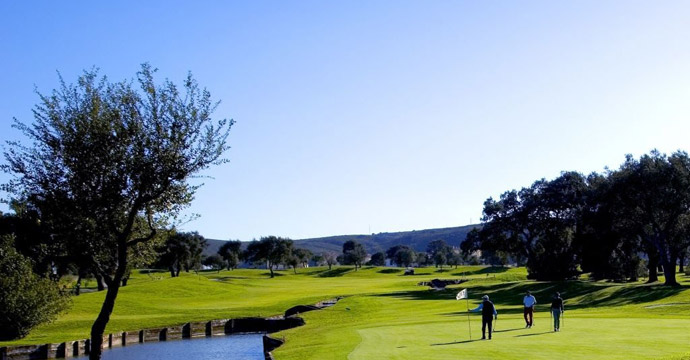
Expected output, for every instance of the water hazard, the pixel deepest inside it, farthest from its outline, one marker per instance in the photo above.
(236, 347)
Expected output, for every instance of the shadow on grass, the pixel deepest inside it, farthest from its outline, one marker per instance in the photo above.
(536, 334)
(586, 294)
(389, 271)
(275, 274)
(152, 271)
(334, 272)
(486, 270)
(455, 342)
(508, 330)
(226, 278)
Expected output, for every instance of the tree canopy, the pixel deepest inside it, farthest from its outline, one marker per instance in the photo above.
(102, 156)
(606, 224)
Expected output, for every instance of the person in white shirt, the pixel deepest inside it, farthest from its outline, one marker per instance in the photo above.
(529, 301)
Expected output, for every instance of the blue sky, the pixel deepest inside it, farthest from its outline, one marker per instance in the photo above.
(374, 116)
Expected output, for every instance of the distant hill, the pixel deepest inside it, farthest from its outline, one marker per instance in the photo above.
(416, 239)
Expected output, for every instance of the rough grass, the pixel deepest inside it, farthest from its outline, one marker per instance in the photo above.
(386, 315)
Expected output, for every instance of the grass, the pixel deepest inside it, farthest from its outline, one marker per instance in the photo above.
(386, 315)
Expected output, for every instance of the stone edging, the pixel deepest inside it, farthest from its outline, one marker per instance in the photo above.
(247, 325)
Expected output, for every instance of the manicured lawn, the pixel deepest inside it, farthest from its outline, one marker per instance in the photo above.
(386, 315)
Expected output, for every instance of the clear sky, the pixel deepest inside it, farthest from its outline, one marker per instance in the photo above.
(375, 116)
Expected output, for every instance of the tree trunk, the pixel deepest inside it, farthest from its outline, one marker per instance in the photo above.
(77, 288)
(99, 325)
(99, 281)
(652, 267)
(681, 261)
(124, 281)
(172, 271)
(670, 270)
(294, 268)
(329, 266)
(270, 268)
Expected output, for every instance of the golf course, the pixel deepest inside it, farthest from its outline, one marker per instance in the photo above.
(386, 315)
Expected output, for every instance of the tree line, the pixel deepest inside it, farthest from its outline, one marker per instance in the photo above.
(618, 225)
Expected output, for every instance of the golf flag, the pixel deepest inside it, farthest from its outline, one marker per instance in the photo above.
(461, 295)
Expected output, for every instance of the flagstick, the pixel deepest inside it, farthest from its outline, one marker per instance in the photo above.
(468, 315)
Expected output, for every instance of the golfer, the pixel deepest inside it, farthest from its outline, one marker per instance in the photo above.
(557, 310)
(488, 314)
(529, 301)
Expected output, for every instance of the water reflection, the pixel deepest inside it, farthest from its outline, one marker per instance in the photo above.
(236, 347)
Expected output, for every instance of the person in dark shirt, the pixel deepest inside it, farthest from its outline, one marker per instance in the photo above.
(557, 310)
(488, 314)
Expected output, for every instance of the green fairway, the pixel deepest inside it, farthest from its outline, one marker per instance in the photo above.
(386, 315)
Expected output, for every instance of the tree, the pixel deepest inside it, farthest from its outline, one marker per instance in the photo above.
(231, 252)
(405, 256)
(455, 259)
(330, 258)
(378, 259)
(104, 154)
(657, 198)
(292, 261)
(318, 259)
(353, 253)
(440, 259)
(439, 251)
(303, 256)
(182, 251)
(270, 250)
(392, 254)
(538, 223)
(26, 299)
(215, 262)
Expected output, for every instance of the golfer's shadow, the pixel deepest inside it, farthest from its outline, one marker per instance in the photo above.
(541, 333)
(456, 342)
(506, 330)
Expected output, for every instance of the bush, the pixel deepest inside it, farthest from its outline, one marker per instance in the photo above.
(26, 300)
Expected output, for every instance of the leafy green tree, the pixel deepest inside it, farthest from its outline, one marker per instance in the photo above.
(102, 155)
(537, 223)
(303, 256)
(378, 259)
(657, 199)
(231, 252)
(318, 259)
(439, 252)
(455, 259)
(353, 253)
(26, 299)
(270, 250)
(182, 251)
(405, 257)
(292, 261)
(330, 258)
(215, 262)
(392, 254)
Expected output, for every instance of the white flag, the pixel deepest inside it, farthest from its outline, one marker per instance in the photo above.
(461, 295)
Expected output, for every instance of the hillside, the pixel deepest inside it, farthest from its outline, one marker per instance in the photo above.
(416, 239)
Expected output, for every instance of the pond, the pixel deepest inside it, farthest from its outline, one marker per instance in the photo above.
(236, 347)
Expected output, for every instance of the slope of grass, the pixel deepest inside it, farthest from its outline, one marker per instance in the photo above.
(386, 315)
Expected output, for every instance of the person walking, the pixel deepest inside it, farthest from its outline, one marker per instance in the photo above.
(489, 313)
(529, 301)
(557, 310)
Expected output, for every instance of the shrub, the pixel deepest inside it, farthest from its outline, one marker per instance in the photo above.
(26, 299)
